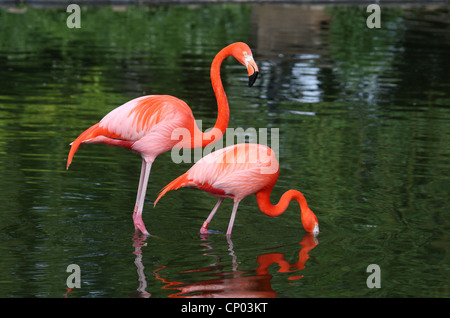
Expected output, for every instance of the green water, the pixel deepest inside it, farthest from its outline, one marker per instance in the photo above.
(364, 132)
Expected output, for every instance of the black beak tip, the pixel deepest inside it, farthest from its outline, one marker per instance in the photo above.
(252, 79)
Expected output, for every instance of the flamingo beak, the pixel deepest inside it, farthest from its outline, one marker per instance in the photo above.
(252, 69)
(252, 79)
(316, 229)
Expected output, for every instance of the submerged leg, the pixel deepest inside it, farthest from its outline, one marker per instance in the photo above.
(233, 216)
(204, 228)
(140, 198)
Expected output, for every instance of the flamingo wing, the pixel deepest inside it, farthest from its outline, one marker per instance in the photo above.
(152, 118)
(136, 118)
(235, 171)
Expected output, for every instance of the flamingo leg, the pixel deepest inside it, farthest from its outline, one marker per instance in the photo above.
(233, 216)
(141, 182)
(140, 198)
(204, 228)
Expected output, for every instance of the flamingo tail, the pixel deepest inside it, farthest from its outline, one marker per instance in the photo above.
(179, 182)
(86, 135)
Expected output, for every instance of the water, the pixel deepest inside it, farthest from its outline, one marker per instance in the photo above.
(363, 116)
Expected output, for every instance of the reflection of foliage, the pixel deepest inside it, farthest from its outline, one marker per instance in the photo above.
(370, 127)
(137, 28)
(146, 33)
(42, 58)
(362, 55)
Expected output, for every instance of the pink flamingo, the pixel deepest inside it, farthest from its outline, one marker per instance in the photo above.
(236, 172)
(145, 125)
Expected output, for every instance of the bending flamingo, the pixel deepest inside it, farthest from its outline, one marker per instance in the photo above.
(145, 125)
(236, 172)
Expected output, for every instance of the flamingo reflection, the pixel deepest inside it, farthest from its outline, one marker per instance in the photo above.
(265, 260)
(139, 241)
(228, 284)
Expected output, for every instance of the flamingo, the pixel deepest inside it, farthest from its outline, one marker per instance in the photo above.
(145, 124)
(238, 171)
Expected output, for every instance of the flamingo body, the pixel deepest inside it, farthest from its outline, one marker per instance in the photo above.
(146, 124)
(230, 172)
(143, 125)
(236, 172)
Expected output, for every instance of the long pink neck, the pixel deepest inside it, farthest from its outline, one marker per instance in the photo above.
(263, 200)
(223, 115)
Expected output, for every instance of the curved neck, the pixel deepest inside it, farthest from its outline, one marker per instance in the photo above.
(223, 114)
(263, 200)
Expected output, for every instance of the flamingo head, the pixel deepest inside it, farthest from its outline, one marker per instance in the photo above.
(243, 54)
(310, 222)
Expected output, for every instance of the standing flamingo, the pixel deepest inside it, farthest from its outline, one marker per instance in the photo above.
(145, 125)
(236, 172)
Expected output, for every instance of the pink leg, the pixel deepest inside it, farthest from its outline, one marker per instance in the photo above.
(233, 215)
(140, 198)
(204, 228)
(141, 179)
